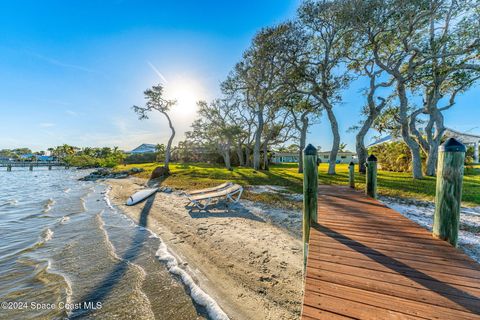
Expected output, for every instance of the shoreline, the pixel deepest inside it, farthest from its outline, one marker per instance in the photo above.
(247, 258)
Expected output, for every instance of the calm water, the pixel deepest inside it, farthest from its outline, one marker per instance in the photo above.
(65, 253)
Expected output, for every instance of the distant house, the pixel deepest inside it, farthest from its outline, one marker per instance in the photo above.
(285, 157)
(145, 148)
(27, 156)
(45, 158)
(324, 156)
(342, 156)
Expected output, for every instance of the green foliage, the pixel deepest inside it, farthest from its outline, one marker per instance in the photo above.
(95, 157)
(82, 161)
(394, 156)
(141, 158)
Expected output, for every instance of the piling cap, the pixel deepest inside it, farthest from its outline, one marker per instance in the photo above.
(351, 163)
(453, 145)
(371, 158)
(310, 150)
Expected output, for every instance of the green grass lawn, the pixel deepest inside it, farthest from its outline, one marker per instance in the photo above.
(190, 176)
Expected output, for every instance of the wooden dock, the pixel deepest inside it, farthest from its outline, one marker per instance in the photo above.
(23, 164)
(367, 261)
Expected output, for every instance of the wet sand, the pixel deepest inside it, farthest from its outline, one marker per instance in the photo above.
(247, 256)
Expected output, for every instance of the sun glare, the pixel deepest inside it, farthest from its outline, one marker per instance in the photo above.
(187, 92)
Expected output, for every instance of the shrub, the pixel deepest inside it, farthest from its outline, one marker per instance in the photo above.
(393, 156)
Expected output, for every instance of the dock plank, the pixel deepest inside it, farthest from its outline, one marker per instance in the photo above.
(367, 261)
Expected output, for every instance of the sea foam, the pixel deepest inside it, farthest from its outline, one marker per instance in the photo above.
(198, 295)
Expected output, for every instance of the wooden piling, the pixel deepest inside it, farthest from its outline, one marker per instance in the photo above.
(448, 195)
(351, 174)
(371, 177)
(49, 167)
(310, 190)
(30, 167)
(9, 167)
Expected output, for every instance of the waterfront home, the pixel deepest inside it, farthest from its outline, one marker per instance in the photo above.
(342, 156)
(323, 156)
(144, 148)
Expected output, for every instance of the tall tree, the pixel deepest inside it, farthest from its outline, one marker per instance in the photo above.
(324, 55)
(256, 79)
(156, 102)
(219, 126)
(393, 29)
(450, 64)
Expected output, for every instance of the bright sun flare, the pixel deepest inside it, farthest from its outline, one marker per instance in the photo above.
(187, 92)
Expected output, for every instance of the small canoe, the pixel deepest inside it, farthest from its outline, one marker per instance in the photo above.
(140, 196)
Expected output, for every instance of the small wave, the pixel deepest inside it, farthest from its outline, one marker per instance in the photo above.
(67, 190)
(107, 199)
(48, 205)
(12, 202)
(197, 294)
(64, 219)
(47, 235)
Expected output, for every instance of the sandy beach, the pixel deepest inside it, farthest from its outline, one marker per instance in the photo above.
(247, 257)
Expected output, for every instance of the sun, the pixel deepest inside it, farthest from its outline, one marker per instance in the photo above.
(187, 92)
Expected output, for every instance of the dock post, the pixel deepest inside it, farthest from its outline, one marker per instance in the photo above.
(50, 167)
(30, 167)
(9, 167)
(351, 174)
(448, 195)
(310, 193)
(371, 183)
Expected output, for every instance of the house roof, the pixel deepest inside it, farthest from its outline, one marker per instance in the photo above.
(450, 133)
(145, 146)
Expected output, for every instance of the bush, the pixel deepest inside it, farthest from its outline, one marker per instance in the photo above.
(141, 158)
(393, 156)
(83, 161)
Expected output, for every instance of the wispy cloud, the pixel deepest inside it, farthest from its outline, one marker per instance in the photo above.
(61, 64)
(159, 74)
(46, 124)
(71, 113)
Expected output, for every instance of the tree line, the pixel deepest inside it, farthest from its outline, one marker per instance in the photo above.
(415, 56)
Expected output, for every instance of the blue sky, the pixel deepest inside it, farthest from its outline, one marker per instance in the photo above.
(71, 70)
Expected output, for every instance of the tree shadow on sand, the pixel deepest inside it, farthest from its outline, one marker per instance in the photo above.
(104, 288)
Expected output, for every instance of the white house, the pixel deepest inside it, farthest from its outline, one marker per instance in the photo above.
(285, 157)
(292, 157)
(145, 148)
(342, 157)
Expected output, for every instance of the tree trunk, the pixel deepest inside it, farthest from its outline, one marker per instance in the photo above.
(303, 142)
(247, 156)
(240, 154)
(434, 142)
(362, 151)
(336, 140)
(265, 155)
(258, 141)
(405, 131)
(169, 144)
(226, 159)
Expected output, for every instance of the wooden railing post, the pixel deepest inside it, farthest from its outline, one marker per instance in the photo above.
(371, 183)
(448, 195)
(310, 193)
(351, 174)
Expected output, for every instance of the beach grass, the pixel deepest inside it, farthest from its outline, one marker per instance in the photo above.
(189, 176)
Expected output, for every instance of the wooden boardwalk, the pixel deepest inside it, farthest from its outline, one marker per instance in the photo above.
(367, 261)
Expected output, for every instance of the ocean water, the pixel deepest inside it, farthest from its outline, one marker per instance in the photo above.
(66, 253)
